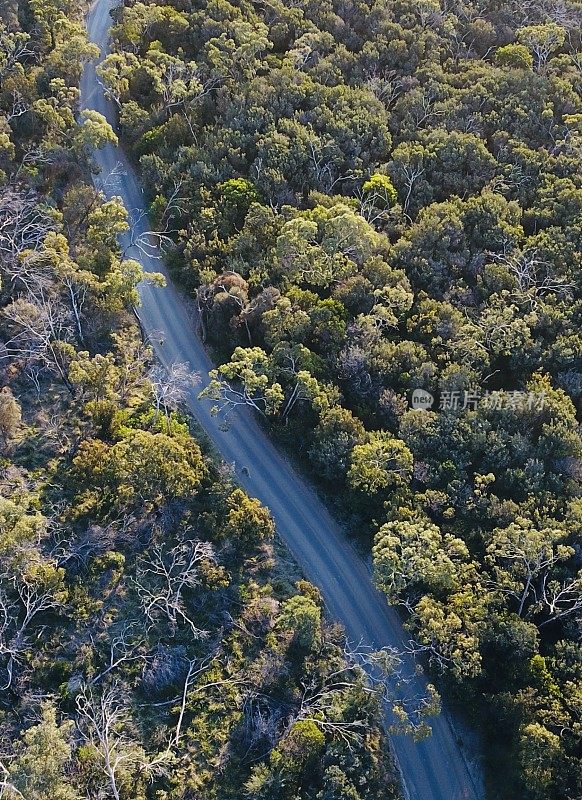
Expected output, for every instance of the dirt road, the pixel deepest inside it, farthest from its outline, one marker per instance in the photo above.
(434, 769)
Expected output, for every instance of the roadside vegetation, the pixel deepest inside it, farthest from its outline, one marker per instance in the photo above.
(368, 198)
(155, 640)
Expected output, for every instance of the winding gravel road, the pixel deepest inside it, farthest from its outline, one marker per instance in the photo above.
(434, 769)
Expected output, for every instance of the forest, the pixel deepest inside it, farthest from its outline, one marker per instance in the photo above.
(372, 197)
(369, 201)
(156, 641)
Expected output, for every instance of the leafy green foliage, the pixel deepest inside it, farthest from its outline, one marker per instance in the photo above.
(366, 199)
(380, 198)
(38, 770)
(141, 596)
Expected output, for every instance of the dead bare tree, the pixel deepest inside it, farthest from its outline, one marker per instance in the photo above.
(124, 647)
(39, 323)
(33, 154)
(41, 328)
(111, 182)
(385, 85)
(163, 578)
(18, 107)
(7, 789)
(9, 649)
(533, 276)
(261, 724)
(170, 386)
(375, 208)
(196, 668)
(559, 599)
(361, 670)
(318, 697)
(178, 84)
(176, 204)
(77, 291)
(522, 568)
(411, 172)
(148, 243)
(323, 164)
(14, 48)
(409, 702)
(18, 609)
(426, 109)
(375, 672)
(104, 721)
(95, 540)
(24, 223)
(353, 364)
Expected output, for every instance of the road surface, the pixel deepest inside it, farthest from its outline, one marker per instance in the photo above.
(434, 769)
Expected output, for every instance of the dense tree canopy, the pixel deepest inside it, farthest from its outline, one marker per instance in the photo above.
(371, 199)
(154, 640)
(365, 199)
